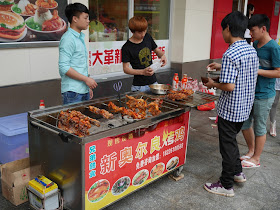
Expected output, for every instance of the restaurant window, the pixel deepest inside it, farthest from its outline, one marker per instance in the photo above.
(108, 31)
(157, 14)
(108, 20)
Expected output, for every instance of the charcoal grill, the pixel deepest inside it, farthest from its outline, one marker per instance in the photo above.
(67, 159)
(48, 118)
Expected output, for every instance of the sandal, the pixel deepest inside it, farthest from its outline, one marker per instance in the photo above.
(249, 164)
(245, 157)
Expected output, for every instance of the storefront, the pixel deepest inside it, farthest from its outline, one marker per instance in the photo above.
(189, 32)
(108, 31)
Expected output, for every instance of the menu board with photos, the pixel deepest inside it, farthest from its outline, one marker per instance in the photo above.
(31, 21)
(117, 166)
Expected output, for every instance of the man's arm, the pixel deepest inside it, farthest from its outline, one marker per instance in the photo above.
(72, 73)
(66, 51)
(222, 86)
(161, 55)
(145, 72)
(270, 73)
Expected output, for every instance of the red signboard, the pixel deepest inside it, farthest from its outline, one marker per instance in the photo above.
(117, 166)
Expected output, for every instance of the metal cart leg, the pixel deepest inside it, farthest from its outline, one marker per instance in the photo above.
(177, 172)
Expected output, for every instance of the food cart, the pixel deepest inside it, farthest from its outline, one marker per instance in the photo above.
(115, 159)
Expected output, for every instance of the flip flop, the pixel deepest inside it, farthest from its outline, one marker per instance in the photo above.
(251, 165)
(244, 157)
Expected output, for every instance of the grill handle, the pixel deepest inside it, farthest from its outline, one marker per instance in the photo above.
(64, 137)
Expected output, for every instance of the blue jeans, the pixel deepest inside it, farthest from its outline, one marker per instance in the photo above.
(70, 97)
(144, 88)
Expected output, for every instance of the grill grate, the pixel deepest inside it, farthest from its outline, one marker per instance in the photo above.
(196, 99)
(117, 121)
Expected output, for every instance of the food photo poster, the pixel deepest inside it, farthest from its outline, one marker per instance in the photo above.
(31, 21)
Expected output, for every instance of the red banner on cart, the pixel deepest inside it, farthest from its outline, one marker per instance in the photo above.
(117, 166)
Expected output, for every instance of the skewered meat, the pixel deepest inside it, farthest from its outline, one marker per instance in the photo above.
(125, 111)
(134, 103)
(137, 105)
(75, 122)
(154, 107)
(104, 113)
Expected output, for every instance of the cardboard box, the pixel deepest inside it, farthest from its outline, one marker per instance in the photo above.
(14, 179)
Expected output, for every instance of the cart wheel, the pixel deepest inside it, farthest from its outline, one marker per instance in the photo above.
(178, 171)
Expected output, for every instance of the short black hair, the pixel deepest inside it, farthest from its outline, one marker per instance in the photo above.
(75, 10)
(237, 23)
(259, 20)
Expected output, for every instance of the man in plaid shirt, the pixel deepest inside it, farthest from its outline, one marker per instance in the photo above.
(237, 81)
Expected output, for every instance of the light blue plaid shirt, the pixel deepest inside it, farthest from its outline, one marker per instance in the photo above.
(73, 53)
(240, 66)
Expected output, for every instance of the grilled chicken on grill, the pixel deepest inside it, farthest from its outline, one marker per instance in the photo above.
(138, 105)
(154, 107)
(179, 95)
(75, 122)
(125, 111)
(104, 113)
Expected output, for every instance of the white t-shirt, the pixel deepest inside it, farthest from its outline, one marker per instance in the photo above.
(247, 34)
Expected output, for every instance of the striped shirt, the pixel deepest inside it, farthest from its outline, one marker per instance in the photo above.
(240, 65)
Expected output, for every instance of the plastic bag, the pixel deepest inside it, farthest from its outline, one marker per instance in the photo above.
(155, 66)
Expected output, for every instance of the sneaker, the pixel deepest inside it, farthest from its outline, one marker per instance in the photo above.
(240, 177)
(217, 188)
(273, 129)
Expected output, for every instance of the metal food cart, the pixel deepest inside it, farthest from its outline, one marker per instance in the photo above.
(115, 159)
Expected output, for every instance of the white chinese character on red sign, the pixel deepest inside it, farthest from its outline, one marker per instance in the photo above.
(157, 156)
(155, 144)
(137, 165)
(180, 133)
(168, 138)
(108, 163)
(141, 148)
(125, 156)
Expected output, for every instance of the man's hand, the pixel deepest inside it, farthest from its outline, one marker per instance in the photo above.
(163, 60)
(90, 83)
(214, 65)
(90, 93)
(210, 83)
(148, 71)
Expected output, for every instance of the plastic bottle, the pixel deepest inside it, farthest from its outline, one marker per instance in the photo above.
(42, 104)
(184, 82)
(175, 83)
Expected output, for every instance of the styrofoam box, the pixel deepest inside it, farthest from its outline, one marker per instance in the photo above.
(13, 138)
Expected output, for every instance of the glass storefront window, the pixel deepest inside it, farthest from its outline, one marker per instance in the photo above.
(108, 20)
(157, 14)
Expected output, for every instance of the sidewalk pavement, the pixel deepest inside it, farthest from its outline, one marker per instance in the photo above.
(203, 164)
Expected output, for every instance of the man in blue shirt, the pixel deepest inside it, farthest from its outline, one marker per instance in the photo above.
(237, 81)
(269, 69)
(76, 85)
